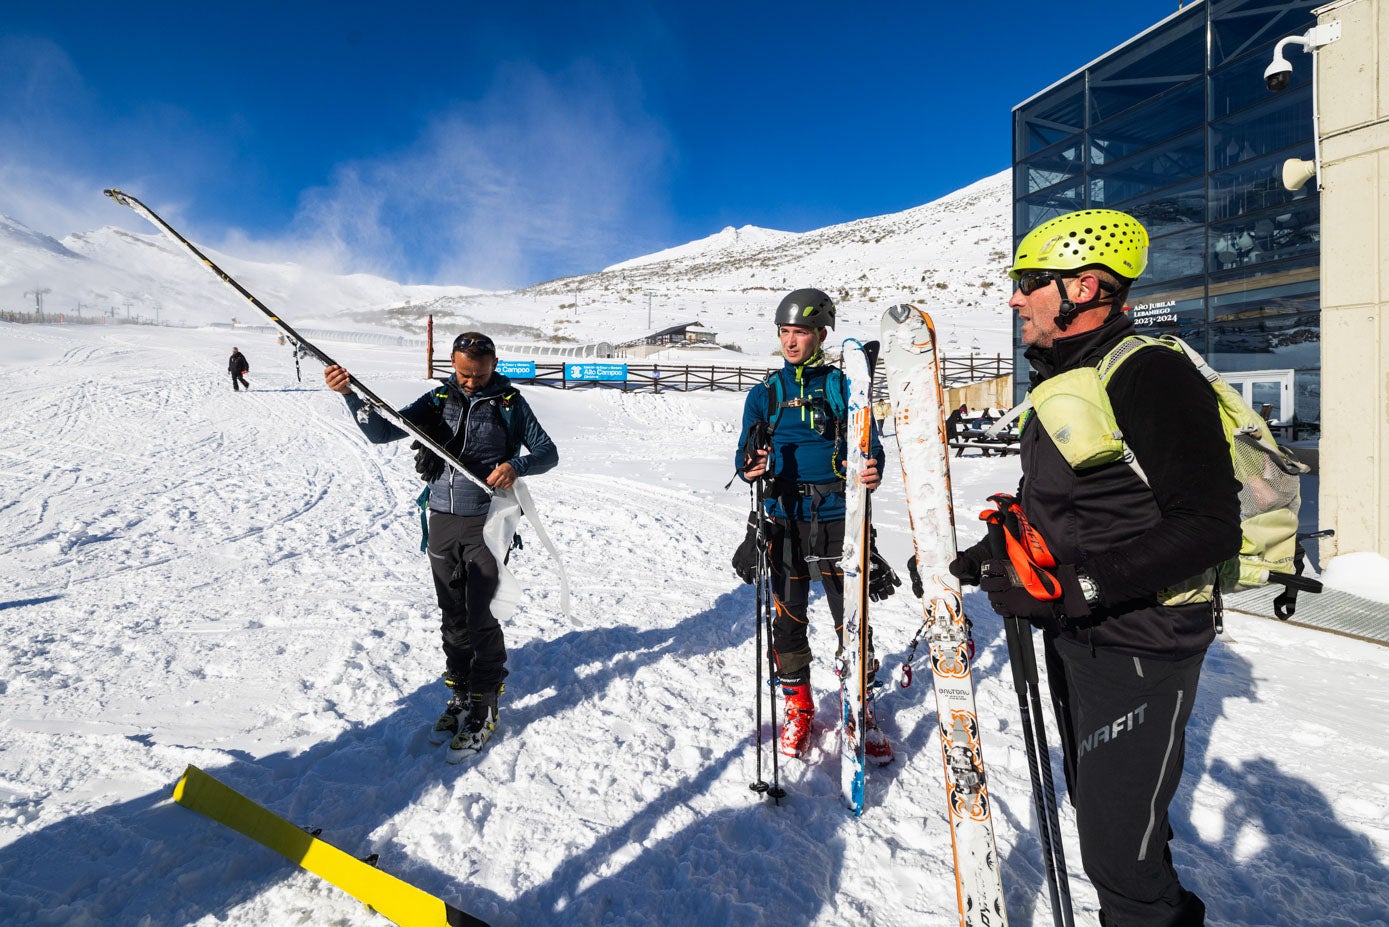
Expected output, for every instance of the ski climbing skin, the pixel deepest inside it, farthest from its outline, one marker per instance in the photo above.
(912, 368)
(518, 490)
(398, 901)
(853, 658)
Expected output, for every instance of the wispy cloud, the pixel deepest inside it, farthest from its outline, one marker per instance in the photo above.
(43, 180)
(545, 176)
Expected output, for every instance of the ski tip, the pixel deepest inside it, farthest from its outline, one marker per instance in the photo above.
(116, 195)
(870, 351)
(181, 786)
(901, 312)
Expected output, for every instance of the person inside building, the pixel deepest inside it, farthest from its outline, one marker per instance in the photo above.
(479, 417)
(793, 437)
(1125, 640)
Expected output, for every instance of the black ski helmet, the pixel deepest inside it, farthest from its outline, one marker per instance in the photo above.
(808, 307)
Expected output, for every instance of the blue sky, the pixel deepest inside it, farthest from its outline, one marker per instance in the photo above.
(505, 144)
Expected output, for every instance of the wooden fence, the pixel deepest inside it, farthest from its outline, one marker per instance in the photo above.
(655, 378)
(972, 368)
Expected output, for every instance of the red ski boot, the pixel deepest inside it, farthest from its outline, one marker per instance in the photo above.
(876, 748)
(800, 711)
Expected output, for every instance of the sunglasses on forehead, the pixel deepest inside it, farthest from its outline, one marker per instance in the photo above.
(481, 343)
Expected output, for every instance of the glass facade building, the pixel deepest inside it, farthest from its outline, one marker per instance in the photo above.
(1177, 128)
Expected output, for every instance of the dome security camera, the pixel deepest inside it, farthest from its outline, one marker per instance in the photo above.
(1278, 74)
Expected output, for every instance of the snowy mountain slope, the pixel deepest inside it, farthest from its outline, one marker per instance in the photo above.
(951, 254)
(26, 258)
(234, 580)
(722, 245)
(148, 276)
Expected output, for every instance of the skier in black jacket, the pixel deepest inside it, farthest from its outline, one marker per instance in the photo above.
(485, 422)
(238, 367)
(1125, 643)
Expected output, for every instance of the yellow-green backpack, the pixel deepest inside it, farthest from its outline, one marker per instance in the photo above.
(1270, 483)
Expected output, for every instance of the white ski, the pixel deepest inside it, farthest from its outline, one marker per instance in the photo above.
(853, 658)
(913, 377)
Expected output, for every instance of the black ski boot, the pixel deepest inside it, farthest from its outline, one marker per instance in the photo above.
(477, 726)
(446, 728)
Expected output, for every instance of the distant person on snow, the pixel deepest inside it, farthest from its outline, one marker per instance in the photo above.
(793, 437)
(239, 368)
(483, 421)
(1135, 552)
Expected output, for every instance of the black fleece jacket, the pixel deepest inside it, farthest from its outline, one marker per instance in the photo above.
(1137, 539)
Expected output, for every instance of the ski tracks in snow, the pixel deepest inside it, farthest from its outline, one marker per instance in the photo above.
(234, 580)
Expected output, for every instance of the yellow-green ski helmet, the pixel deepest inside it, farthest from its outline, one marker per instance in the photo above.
(1087, 238)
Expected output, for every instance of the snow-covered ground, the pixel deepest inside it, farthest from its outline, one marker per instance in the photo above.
(234, 581)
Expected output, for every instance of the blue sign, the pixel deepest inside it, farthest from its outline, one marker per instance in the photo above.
(516, 370)
(617, 372)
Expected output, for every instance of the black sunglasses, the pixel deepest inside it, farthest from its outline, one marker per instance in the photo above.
(1030, 281)
(481, 343)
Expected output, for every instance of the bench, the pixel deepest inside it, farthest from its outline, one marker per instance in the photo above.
(988, 448)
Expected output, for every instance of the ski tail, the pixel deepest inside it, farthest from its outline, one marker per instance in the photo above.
(398, 901)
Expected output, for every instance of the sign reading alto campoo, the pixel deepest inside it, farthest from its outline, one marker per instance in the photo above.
(604, 372)
(516, 370)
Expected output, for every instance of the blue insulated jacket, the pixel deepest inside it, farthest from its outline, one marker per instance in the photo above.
(800, 452)
(476, 430)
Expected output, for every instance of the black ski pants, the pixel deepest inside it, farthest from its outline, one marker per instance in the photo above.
(465, 579)
(791, 542)
(1123, 736)
(239, 377)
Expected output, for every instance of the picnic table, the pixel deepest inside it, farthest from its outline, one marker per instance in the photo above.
(1002, 444)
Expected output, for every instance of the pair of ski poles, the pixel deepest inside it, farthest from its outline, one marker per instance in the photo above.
(1022, 656)
(765, 611)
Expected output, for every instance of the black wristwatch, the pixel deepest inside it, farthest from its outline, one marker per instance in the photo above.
(1088, 587)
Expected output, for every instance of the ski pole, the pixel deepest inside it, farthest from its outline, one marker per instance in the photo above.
(1063, 881)
(1022, 656)
(776, 791)
(759, 784)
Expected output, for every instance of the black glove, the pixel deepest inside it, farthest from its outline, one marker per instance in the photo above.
(748, 556)
(918, 589)
(882, 581)
(969, 563)
(1012, 600)
(429, 465)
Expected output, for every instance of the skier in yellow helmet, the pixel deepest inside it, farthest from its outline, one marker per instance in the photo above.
(1126, 637)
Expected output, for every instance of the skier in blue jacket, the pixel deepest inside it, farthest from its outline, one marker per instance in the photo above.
(485, 422)
(793, 437)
